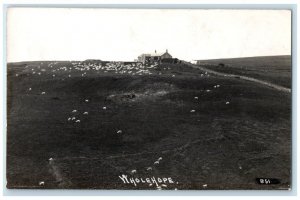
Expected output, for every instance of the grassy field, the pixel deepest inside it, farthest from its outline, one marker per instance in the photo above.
(203, 135)
(274, 69)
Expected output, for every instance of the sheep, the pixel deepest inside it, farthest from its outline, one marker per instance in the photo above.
(133, 171)
(192, 111)
(156, 162)
(227, 102)
(73, 118)
(164, 185)
(69, 118)
(77, 121)
(41, 183)
(205, 185)
(149, 168)
(86, 113)
(43, 93)
(74, 111)
(195, 97)
(207, 90)
(50, 159)
(86, 100)
(29, 89)
(119, 131)
(104, 108)
(159, 159)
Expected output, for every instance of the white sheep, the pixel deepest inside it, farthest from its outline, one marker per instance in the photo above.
(41, 183)
(86, 100)
(43, 93)
(160, 158)
(77, 121)
(86, 113)
(119, 131)
(195, 97)
(133, 171)
(74, 111)
(104, 108)
(227, 102)
(192, 111)
(149, 168)
(156, 162)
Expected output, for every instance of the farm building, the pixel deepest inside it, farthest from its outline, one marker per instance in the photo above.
(153, 57)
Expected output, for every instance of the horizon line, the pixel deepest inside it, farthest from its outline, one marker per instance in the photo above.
(66, 60)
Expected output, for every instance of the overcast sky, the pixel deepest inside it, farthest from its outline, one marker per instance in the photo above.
(123, 34)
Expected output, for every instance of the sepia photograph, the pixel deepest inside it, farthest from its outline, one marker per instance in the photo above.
(148, 99)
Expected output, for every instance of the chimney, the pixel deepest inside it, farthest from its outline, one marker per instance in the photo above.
(166, 50)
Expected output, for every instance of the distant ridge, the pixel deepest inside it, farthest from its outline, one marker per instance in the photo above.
(284, 60)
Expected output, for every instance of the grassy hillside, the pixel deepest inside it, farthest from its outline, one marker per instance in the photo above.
(204, 136)
(274, 69)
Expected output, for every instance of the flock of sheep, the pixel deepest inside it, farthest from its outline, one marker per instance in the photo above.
(110, 67)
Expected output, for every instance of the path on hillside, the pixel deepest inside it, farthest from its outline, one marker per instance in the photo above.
(272, 85)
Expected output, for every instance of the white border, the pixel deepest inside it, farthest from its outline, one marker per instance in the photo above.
(175, 195)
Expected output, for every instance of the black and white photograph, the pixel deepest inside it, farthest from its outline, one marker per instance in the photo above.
(148, 99)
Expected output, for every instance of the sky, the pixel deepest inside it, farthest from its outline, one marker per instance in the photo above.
(124, 34)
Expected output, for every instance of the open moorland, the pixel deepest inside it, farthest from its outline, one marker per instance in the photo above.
(273, 69)
(86, 124)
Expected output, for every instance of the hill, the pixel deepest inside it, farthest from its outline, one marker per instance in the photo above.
(76, 125)
(275, 69)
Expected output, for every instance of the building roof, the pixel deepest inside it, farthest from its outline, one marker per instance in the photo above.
(154, 54)
(157, 54)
